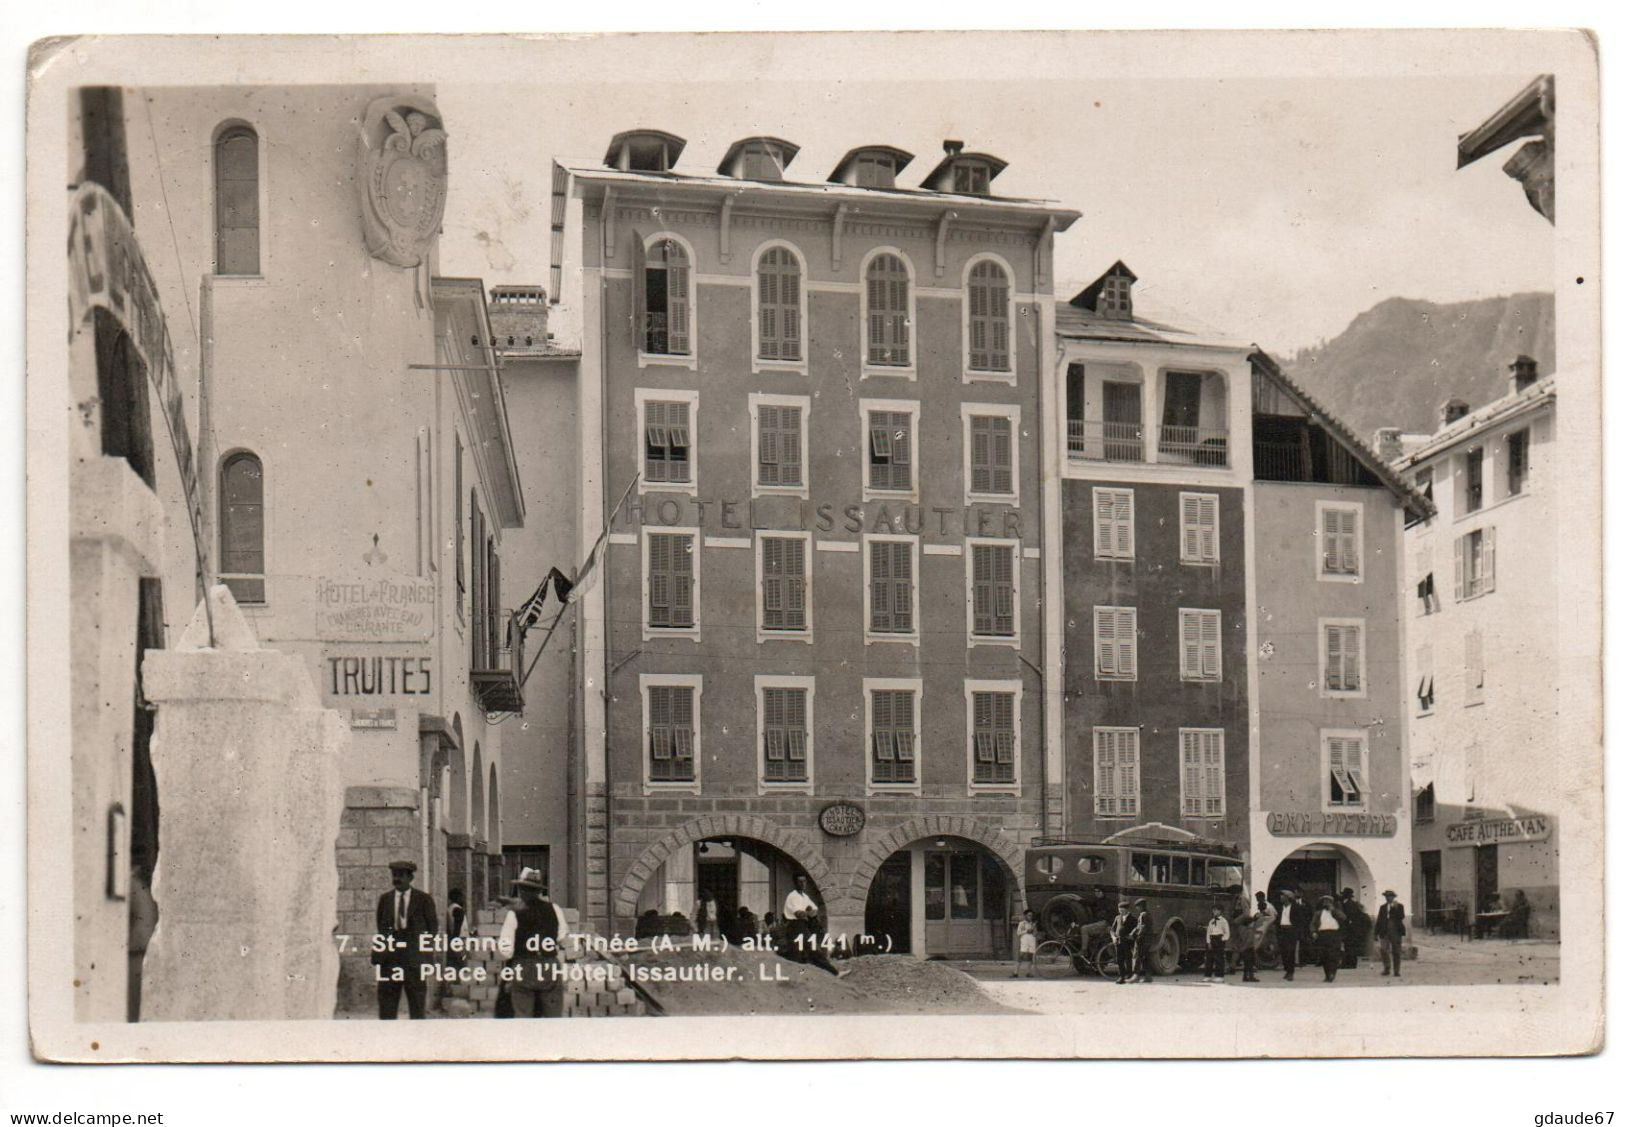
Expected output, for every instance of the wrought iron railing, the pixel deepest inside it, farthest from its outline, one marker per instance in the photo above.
(1194, 446)
(498, 662)
(1096, 440)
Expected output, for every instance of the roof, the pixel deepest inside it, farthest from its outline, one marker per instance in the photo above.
(1528, 114)
(621, 138)
(1089, 297)
(790, 150)
(489, 411)
(995, 165)
(1508, 406)
(1077, 323)
(901, 158)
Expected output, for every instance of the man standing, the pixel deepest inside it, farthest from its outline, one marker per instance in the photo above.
(1257, 931)
(1218, 939)
(405, 916)
(1122, 938)
(1292, 922)
(1391, 932)
(530, 939)
(1143, 941)
(1357, 935)
(1330, 930)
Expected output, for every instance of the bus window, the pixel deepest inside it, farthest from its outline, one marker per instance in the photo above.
(1049, 866)
(1139, 866)
(1091, 865)
(1224, 875)
(1160, 868)
(1199, 871)
(1182, 870)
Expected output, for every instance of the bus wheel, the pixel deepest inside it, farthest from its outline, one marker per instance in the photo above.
(1053, 959)
(1169, 954)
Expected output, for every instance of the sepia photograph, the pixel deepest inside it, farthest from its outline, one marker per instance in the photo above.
(807, 546)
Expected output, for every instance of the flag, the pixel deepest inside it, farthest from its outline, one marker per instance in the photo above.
(588, 571)
(530, 613)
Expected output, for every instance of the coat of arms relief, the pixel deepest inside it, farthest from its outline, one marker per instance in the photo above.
(403, 193)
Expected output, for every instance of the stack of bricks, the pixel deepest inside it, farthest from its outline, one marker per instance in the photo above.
(600, 991)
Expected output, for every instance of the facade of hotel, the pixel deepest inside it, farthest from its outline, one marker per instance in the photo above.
(1482, 695)
(354, 474)
(1231, 661)
(816, 643)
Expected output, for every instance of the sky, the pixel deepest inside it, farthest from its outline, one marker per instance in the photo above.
(1270, 208)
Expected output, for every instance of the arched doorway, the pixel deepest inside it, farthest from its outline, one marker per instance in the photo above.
(942, 897)
(1322, 869)
(733, 870)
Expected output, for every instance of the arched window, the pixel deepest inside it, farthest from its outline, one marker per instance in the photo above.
(665, 300)
(778, 311)
(242, 527)
(887, 284)
(237, 201)
(989, 318)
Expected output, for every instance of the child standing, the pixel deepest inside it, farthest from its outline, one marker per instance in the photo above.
(1026, 942)
(1218, 938)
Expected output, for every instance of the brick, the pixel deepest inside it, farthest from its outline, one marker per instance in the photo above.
(400, 838)
(351, 857)
(347, 839)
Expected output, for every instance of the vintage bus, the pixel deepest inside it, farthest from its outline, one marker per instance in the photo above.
(1079, 882)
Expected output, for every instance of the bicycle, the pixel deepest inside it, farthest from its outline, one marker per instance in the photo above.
(1079, 951)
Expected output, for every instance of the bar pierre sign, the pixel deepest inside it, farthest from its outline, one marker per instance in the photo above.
(1533, 828)
(1310, 823)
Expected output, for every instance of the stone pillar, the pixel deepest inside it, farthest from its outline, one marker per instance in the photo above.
(247, 763)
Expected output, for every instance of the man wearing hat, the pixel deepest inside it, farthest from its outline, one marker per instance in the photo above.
(404, 916)
(1291, 927)
(1121, 934)
(1143, 940)
(1391, 932)
(532, 933)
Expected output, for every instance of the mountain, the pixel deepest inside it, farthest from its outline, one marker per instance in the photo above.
(1399, 360)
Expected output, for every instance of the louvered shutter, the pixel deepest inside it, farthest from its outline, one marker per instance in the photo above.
(981, 454)
(773, 582)
(1127, 643)
(1208, 519)
(1487, 581)
(1351, 658)
(656, 442)
(1190, 760)
(989, 318)
(683, 732)
(1106, 531)
(767, 307)
(660, 740)
(677, 299)
(902, 440)
(1105, 773)
(902, 572)
(789, 445)
(1213, 772)
(1004, 591)
(660, 599)
(640, 294)
(1190, 645)
(880, 586)
(680, 439)
(789, 307)
(767, 445)
(1128, 773)
(1350, 561)
(1003, 462)
(1190, 520)
(982, 580)
(1461, 567)
(1105, 642)
(1334, 658)
(1210, 645)
(773, 750)
(1123, 519)
(682, 570)
(904, 738)
(795, 583)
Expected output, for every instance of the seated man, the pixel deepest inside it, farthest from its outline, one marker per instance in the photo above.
(1516, 925)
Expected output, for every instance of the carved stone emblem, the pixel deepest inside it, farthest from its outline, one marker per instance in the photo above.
(403, 182)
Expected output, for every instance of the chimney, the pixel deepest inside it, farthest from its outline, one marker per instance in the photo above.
(1387, 442)
(518, 317)
(953, 148)
(1525, 371)
(1450, 411)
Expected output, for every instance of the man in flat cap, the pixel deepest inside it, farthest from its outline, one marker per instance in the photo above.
(404, 916)
(1144, 940)
(1122, 939)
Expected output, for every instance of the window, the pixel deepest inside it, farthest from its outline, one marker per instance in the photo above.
(669, 579)
(993, 733)
(1117, 774)
(1201, 772)
(1116, 643)
(666, 300)
(1114, 524)
(892, 735)
(778, 305)
(671, 736)
(1116, 301)
(1475, 564)
(1473, 673)
(778, 436)
(891, 588)
(1424, 680)
(876, 170)
(1339, 541)
(886, 286)
(1198, 528)
(992, 456)
(989, 317)
(1344, 756)
(786, 730)
(1426, 804)
(891, 441)
(1424, 483)
(1199, 645)
(242, 527)
(1473, 480)
(668, 443)
(971, 178)
(237, 202)
(993, 590)
(1517, 461)
(783, 583)
(1427, 598)
(1342, 659)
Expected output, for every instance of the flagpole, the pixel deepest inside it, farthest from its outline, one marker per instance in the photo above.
(548, 638)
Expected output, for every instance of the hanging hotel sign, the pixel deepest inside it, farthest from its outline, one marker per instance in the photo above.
(841, 819)
(1508, 830)
(106, 270)
(375, 608)
(1294, 823)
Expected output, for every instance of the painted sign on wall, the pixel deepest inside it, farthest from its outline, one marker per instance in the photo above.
(1507, 831)
(375, 608)
(352, 679)
(1310, 823)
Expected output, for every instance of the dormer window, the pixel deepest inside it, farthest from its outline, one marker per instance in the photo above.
(876, 172)
(873, 166)
(971, 178)
(1116, 300)
(762, 163)
(962, 173)
(758, 158)
(644, 150)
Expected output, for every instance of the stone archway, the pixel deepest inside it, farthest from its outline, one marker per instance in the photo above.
(939, 825)
(837, 901)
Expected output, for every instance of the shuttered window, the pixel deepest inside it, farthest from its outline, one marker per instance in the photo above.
(671, 580)
(671, 734)
(1424, 678)
(1473, 480)
(993, 737)
(1198, 528)
(891, 442)
(1345, 770)
(887, 289)
(991, 455)
(1114, 524)
(237, 202)
(778, 305)
(668, 442)
(1199, 645)
(1343, 658)
(891, 587)
(1116, 643)
(666, 300)
(1339, 541)
(778, 445)
(892, 736)
(993, 590)
(1201, 772)
(989, 318)
(1117, 772)
(784, 583)
(1475, 563)
(784, 735)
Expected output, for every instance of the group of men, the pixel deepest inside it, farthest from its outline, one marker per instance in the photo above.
(1333, 934)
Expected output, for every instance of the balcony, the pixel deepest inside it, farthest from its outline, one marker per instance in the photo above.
(1094, 440)
(498, 662)
(1194, 446)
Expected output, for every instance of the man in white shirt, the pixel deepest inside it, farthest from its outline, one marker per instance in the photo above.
(801, 914)
(1218, 939)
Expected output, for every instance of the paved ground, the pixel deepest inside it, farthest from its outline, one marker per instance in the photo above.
(1441, 961)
